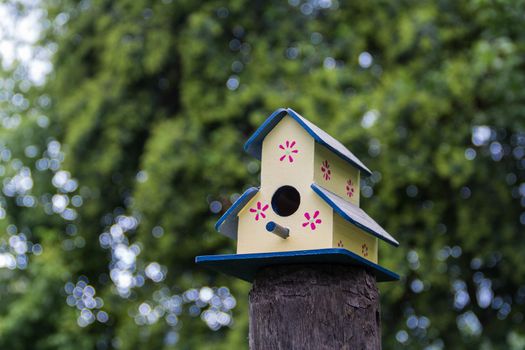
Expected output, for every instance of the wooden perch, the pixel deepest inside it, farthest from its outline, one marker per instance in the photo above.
(277, 229)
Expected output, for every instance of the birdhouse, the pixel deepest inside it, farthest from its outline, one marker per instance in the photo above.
(306, 209)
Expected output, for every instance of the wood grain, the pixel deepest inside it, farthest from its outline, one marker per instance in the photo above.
(314, 307)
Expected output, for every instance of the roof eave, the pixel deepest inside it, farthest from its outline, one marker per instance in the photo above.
(348, 218)
(249, 147)
(320, 141)
(234, 209)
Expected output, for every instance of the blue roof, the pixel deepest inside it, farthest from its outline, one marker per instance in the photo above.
(227, 224)
(354, 214)
(254, 144)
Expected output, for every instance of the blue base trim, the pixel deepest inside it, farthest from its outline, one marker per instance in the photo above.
(245, 266)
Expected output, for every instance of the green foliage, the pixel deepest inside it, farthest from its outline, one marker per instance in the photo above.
(151, 101)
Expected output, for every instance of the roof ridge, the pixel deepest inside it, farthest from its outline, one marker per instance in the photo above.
(254, 144)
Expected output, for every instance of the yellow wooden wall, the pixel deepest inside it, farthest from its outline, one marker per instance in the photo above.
(347, 236)
(340, 174)
(254, 238)
(252, 234)
(276, 172)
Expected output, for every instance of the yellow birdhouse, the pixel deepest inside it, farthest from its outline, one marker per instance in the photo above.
(307, 207)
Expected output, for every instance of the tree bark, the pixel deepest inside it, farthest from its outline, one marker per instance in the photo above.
(314, 307)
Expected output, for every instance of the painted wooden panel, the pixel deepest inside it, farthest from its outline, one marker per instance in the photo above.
(336, 175)
(352, 238)
(310, 227)
(287, 156)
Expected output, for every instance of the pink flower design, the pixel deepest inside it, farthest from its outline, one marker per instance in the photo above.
(325, 168)
(259, 211)
(349, 188)
(312, 220)
(289, 150)
(364, 250)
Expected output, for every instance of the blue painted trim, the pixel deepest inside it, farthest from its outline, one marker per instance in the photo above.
(245, 197)
(270, 226)
(254, 144)
(348, 218)
(261, 133)
(319, 140)
(245, 266)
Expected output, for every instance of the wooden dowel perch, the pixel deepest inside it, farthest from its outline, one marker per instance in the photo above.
(314, 307)
(277, 229)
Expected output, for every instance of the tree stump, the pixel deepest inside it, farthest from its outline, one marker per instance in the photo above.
(314, 307)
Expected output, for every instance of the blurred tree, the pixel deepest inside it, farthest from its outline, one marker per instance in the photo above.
(116, 169)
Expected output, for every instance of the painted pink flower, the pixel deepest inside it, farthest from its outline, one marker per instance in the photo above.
(350, 188)
(259, 211)
(289, 150)
(312, 220)
(325, 168)
(364, 250)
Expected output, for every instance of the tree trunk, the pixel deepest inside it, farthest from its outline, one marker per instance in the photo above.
(314, 307)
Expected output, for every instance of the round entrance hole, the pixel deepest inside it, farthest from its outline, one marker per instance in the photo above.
(286, 200)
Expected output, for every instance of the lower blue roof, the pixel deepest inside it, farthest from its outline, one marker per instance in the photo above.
(353, 214)
(229, 221)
